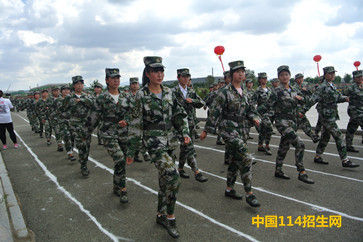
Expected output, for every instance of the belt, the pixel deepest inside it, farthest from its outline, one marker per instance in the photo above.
(286, 116)
(234, 118)
(112, 120)
(329, 106)
(163, 127)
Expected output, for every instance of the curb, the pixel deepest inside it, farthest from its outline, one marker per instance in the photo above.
(13, 219)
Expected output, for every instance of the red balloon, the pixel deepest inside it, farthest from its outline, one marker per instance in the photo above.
(219, 50)
(356, 64)
(317, 58)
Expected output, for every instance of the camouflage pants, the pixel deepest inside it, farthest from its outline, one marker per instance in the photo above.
(318, 126)
(169, 180)
(47, 128)
(352, 128)
(54, 124)
(331, 128)
(116, 148)
(187, 153)
(304, 124)
(265, 131)
(99, 138)
(83, 141)
(241, 161)
(287, 129)
(34, 122)
(66, 136)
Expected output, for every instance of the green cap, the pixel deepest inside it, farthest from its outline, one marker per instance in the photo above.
(112, 72)
(211, 86)
(298, 75)
(76, 79)
(226, 74)
(357, 73)
(65, 87)
(36, 92)
(249, 80)
(55, 88)
(275, 80)
(183, 72)
(97, 84)
(234, 65)
(134, 80)
(283, 68)
(215, 84)
(153, 61)
(126, 88)
(262, 75)
(329, 69)
(221, 80)
(44, 90)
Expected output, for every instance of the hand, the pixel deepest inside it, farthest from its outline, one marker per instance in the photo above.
(203, 135)
(189, 100)
(129, 160)
(43, 121)
(298, 97)
(186, 140)
(78, 100)
(256, 122)
(122, 123)
(346, 99)
(205, 108)
(301, 115)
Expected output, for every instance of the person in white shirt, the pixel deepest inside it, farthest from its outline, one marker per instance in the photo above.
(6, 122)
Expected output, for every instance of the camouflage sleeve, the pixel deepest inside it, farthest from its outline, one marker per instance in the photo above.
(179, 118)
(252, 113)
(66, 103)
(269, 104)
(95, 113)
(135, 124)
(197, 101)
(215, 113)
(123, 107)
(341, 97)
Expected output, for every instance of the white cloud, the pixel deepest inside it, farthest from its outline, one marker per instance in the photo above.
(30, 38)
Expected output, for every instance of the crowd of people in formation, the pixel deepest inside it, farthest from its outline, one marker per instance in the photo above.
(151, 121)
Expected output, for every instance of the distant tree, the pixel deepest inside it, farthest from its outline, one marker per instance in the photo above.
(347, 78)
(210, 80)
(250, 74)
(338, 80)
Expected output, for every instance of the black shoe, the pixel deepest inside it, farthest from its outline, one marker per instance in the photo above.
(123, 197)
(197, 127)
(48, 142)
(261, 149)
(282, 175)
(137, 159)
(32, 129)
(147, 157)
(220, 142)
(351, 149)
(233, 194)
(197, 136)
(316, 139)
(199, 177)
(84, 171)
(249, 137)
(71, 157)
(172, 229)
(60, 148)
(252, 200)
(305, 178)
(268, 151)
(349, 164)
(320, 161)
(254, 162)
(362, 141)
(100, 143)
(162, 220)
(226, 161)
(117, 191)
(183, 174)
(273, 133)
(41, 135)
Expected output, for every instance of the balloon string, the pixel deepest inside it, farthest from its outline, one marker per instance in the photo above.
(356, 67)
(220, 58)
(317, 63)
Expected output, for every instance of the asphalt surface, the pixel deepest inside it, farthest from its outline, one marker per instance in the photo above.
(58, 204)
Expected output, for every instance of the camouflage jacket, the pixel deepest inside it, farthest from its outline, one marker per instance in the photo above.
(41, 109)
(152, 120)
(229, 113)
(250, 93)
(327, 98)
(304, 92)
(284, 104)
(54, 105)
(110, 113)
(78, 111)
(355, 94)
(208, 100)
(189, 107)
(261, 96)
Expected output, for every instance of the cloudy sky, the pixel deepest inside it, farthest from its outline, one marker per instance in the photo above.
(43, 41)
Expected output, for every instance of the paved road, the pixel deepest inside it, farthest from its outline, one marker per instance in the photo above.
(59, 205)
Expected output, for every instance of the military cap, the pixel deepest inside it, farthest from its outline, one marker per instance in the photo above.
(329, 69)
(134, 80)
(76, 79)
(262, 75)
(153, 61)
(221, 80)
(44, 90)
(234, 65)
(126, 88)
(298, 75)
(65, 87)
(97, 84)
(112, 72)
(249, 80)
(215, 84)
(283, 68)
(357, 73)
(55, 88)
(211, 86)
(36, 92)
(183, 72)
(275, 80)
(226, 73)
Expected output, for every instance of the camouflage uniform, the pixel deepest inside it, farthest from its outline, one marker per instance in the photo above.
(355, 109)
(303, 122)
(53, 105)
(42, 111)
(261, 96)
(187, 152)
(64, 117)
(152, 119)
(29, 105)
(79, 113)
(250, 93)
(328, 97)
(229, 114)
